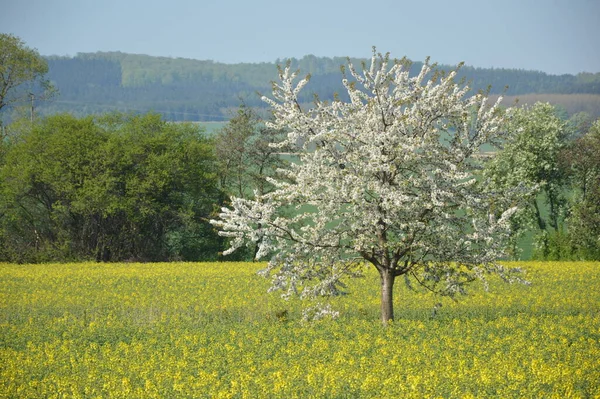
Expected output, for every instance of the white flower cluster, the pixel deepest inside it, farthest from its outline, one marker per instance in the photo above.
(388, 178)
(319, 312)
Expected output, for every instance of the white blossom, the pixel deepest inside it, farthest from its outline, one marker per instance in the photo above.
(387, 179)
(319, 312)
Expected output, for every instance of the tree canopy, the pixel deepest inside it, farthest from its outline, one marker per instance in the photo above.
(22, 72)
(530, 153)
(245, 156)
(580, 161)
(116, 187)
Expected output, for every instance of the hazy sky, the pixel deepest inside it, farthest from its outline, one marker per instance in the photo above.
(554, 36)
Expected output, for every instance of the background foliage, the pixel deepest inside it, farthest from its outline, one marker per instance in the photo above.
(109, 188)
(93, 184)
(194, 90)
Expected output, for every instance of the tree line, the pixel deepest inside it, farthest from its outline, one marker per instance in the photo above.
(134, 186)
(120, 186)
(194, 90)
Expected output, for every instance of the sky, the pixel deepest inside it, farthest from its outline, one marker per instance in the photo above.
(553, 36)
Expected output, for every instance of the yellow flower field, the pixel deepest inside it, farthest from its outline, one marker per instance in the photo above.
(195, 330)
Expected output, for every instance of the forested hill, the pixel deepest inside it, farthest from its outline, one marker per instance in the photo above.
(194, 90)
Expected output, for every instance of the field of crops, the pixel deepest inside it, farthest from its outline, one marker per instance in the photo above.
(184, 330)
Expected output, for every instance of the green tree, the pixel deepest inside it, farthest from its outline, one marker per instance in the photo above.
(246, 158)
(530, 156)
(581, 161)
(245, 155)
(114, 187)
(579, 124)
(22, 73)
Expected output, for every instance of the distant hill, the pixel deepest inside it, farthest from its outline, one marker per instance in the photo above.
(194, 90)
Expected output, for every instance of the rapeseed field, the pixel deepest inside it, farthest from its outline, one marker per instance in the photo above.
(210, 330)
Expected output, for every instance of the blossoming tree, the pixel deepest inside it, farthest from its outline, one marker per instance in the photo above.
(386, 179)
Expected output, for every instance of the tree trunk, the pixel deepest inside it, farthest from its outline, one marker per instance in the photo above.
(387, 295)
